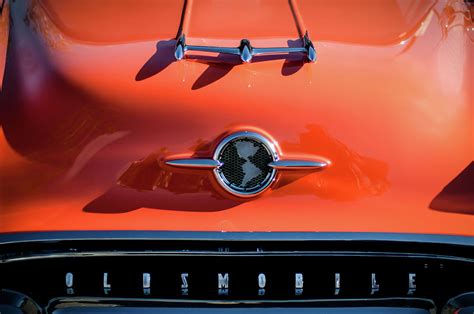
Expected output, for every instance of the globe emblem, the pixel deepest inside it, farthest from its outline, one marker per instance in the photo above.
(245, 160)
(245, 151)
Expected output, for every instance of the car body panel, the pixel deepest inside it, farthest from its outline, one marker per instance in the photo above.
(112, 21)
(367, 22)
(87, 118)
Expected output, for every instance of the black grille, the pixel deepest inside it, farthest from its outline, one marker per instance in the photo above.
(35, 273)
(233, 172)
(38, 268)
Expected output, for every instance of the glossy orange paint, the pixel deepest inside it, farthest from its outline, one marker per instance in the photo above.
(114, 21)
(89, 112)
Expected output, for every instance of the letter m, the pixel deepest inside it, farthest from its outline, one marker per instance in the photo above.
(223, 281)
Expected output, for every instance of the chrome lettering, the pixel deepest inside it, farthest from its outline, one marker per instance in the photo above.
(375, 285)
(184, 285)
(107, 286)
(69, 280)
(411, 283)
(298, 280)
(146, 283)
(298, 283)
(146, 280)
(223, 283)
(69, 283)
(184, 279)
(337, 283)
(262, 282)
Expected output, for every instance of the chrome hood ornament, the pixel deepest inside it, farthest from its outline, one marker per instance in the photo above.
(246, 163)
(245, 51)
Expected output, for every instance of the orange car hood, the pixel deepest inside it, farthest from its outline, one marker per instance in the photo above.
(92, 101)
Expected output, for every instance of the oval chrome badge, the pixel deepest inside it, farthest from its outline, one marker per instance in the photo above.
(246, 163)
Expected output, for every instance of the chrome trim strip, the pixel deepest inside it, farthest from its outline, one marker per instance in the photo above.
(150, 253)
(242, 301)
(261, 51)
(55, 236)
(102, 300)
(233, 51)
(194, 163)
(298, 165)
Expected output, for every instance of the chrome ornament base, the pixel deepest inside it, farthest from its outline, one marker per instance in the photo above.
(245, 50)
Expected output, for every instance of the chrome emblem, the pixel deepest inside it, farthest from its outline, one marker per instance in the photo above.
(246, 163)
(224, 283)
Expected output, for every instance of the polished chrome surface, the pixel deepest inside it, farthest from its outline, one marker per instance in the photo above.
(337, 283)
(311, 253)
(184, 280)
(113, 302)
(299, 164)
(245, 50)
(69, 280)
(299, 281)
(107, 286)
(411, 283)
(180, 48)
(194, 163)
(311, 164)
(262, 281)
(228, 50)
(179, 52)
(308, 45)
(223, 281)
(299, 284)
(374, 284)
(91, 235)
(311, 54)
(146, 280)
(276, 50)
